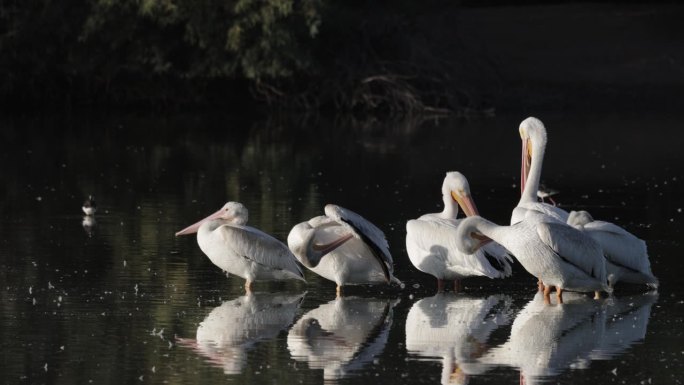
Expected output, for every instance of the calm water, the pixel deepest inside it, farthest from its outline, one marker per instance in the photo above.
(121, 300)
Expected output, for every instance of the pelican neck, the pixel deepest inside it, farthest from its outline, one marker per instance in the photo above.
(534, 175)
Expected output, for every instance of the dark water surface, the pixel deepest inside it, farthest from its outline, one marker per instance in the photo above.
(120, 300)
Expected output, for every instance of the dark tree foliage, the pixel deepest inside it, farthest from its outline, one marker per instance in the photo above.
(309, 54)
(131, 50)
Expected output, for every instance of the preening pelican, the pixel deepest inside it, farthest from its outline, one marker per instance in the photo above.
(343, 247)
(431, 243)
(533, 135)
(226, 335)
(626, 255)
(242, 250)
(341, 336)
(555, 252)
(89, 206)
(456, 330)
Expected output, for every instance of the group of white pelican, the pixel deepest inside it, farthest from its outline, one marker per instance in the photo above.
(568, 251)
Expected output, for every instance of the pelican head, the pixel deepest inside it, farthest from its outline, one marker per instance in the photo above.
(579, 218)
(533, 136)
(468, 238)
(456, 188)
(232, 212)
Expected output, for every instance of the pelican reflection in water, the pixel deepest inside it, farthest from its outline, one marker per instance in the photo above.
(456, 328)
(546, 340)
(626, 324)
(233, 328)
(341, 336)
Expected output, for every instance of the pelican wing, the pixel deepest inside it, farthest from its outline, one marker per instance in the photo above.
(367, 232)
(436, 238)
(550, 210)
(260, 248)
(620, 246)
(573, 247)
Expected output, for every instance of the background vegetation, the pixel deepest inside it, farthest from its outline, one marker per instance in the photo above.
(354, 55)
(363, 56)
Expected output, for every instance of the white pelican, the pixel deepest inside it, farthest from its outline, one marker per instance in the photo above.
(342, 335)
(431, 244)
(226, 334)
(89, 206)
(545, 340)
(555, 252)
(626, 255)
(533, 135)
(343, 247)
(455, 329)
(242, 250)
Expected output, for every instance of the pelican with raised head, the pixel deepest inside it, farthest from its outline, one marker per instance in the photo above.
(243, 250)
(533, 135)
(431, 243)
(344, 247)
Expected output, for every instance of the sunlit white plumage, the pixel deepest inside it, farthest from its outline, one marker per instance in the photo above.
(555, 252)
(455, 329)
(243, 250)
(626, 255)
(533, 135)
(230, 330)
(343, 247)
(431, 243)
(341, 336)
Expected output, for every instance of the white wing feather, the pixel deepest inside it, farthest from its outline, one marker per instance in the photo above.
(573, 247)
(260, 248)
(620, 246)
(524, 210)
(434, 237)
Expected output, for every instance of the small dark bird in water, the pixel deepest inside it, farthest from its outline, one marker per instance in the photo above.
(546, 193)
(89, 206)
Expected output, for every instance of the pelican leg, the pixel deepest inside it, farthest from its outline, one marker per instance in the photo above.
(248, 286)
(559, 294)
(338, 291)
(458, 286)
(440, 285)
(540, 285)
(597, 294)
(552, 201)
(547, 295)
